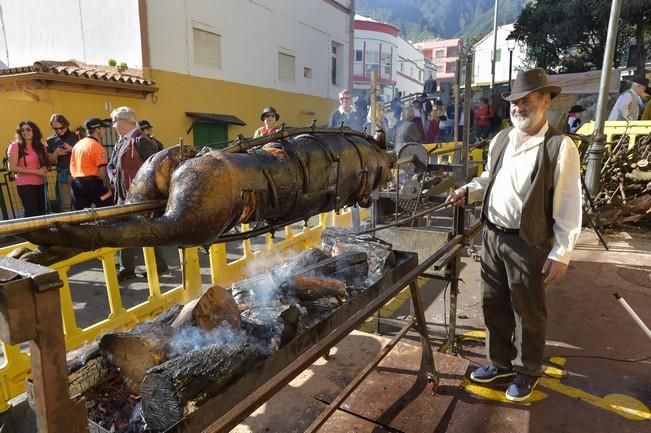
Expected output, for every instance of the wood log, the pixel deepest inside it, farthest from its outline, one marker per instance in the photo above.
(137, 351)
(215, 306)
(311, 288)
(171, 390)
(207, 312)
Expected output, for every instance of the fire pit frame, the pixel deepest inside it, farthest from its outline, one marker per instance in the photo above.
(407, 275)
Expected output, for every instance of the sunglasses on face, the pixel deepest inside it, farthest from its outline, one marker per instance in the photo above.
(270, 115)
(28, 129)
(59, 128)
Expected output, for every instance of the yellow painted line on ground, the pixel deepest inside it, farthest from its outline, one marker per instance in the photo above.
(620, 404)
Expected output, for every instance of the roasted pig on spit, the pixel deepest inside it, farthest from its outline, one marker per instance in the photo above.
(209, 192)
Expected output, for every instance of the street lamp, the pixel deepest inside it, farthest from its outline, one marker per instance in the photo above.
(510, 45)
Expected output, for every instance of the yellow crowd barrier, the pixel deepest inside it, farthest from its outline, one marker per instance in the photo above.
(16, 366)
(615, 129)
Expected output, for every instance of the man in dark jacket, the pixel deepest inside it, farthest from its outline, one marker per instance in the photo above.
(531, 209)
(59, 147)
(129, 153)
(346, 113)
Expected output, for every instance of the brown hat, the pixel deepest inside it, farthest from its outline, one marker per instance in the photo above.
(530, 81)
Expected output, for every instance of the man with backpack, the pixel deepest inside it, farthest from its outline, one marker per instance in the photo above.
(130, 152)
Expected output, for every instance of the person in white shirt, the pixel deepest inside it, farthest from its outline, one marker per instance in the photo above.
(627, 106)
(531, 210)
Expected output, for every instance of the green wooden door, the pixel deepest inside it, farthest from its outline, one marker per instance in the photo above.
(209, 134)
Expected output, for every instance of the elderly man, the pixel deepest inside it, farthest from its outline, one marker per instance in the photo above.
(629, 103)
(130, 152)
(346, 113)
(532, 215)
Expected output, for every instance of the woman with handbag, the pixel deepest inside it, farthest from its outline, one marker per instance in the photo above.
(28, 161)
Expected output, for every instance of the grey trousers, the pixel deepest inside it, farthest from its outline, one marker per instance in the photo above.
(513, 301)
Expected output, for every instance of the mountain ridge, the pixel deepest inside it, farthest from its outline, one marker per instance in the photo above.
(446, 19)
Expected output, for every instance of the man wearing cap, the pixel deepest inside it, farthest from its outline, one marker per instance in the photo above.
(531, 212)
(627, 106)
(270, 118)
(346, 113)
(88, 160)
(146, 128)
(574, 118)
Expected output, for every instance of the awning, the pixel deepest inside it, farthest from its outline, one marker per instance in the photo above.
(215, 118)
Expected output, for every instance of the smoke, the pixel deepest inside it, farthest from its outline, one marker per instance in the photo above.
(191, 338)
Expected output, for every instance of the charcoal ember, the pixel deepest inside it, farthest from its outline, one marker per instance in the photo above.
(355, 290)
(272, 327)
(309, 288)
(172, 389)
(337, 241)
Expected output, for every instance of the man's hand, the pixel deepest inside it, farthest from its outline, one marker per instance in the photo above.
(457, 197)
(554, 270)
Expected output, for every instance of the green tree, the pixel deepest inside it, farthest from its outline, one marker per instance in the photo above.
(564, 36)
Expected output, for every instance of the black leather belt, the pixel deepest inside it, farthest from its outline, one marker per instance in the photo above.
(502, 230)
(87, 178)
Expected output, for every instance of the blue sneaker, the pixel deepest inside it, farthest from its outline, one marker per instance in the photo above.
(521, 388)
(489, 373)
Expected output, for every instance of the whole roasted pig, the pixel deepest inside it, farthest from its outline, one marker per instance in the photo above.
(211, 191)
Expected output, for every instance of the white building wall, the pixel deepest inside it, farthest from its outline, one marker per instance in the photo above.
(482, 57)
(414, 73)
(92, 31)
(252, 33)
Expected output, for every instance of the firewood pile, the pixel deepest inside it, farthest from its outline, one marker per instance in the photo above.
(149, 378)
(625, 195)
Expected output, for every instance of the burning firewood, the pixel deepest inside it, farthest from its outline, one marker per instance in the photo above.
(215, 306)
(171, 390)
(137, 351)
(310, 288)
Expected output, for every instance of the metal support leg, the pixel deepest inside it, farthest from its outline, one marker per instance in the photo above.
(31, 311)
(427, 360)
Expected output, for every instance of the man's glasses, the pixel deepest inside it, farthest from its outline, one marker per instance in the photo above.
(270, 115)
(59, 128)
(344, 98)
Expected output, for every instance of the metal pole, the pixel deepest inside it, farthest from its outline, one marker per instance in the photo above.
(373, 107)
(497, 5)
(457, 84)
(510, 66)
(596, 151)
(466, 119)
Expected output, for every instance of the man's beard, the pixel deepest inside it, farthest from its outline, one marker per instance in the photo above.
(524, 121)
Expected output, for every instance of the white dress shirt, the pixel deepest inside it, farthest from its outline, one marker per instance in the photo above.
(626, 107)
(504, 207)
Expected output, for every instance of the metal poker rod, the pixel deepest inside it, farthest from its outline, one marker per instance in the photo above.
(22, 225)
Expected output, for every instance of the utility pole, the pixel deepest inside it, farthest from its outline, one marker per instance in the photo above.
(596, 151)
(497, 5)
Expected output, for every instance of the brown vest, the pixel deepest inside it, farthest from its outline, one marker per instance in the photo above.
(536, 222)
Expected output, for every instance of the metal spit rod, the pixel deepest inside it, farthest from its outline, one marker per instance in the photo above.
(22, 225)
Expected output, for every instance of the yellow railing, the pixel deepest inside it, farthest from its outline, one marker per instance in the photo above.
(615, 129)
(16, 367)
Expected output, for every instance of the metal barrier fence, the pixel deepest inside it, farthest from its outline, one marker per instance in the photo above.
(10, 204)
(16, 367)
